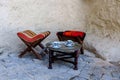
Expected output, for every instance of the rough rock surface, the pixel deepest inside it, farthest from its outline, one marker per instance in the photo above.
(28, 68)
(103, 28)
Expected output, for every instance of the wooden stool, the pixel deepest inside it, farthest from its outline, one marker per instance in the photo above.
(76, 36)
(32, 39)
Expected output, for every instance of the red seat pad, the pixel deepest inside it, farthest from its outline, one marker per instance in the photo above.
(74, 33)
(28, 38)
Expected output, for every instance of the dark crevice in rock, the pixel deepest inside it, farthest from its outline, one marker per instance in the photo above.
(1, 52)
(102, 75)
(78, 78)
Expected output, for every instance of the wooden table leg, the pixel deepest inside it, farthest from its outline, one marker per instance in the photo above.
(50, 59)
(76, 60)
(52, 56)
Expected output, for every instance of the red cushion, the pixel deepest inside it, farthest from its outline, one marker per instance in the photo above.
(74, 33)
(28, 38)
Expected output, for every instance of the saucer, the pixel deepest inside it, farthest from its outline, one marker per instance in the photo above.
(70, 45)
(56, 46)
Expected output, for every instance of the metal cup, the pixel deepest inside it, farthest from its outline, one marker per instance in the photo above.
(55, 44)
(69, 43)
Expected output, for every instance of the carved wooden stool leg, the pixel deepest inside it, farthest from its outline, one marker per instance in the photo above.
(44, 50)
(41, 45)
(36, 54)
(24, 52)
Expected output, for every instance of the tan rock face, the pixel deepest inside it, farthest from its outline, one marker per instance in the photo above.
(103, 28)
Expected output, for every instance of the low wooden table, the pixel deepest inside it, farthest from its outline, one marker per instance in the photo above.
(63, 53)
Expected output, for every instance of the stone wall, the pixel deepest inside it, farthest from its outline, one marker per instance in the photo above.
(103, 28)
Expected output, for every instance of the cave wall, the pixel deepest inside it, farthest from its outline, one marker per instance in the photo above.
(103, 28)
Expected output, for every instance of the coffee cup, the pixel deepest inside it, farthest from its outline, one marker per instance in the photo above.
(69, 43)
(55, 44)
